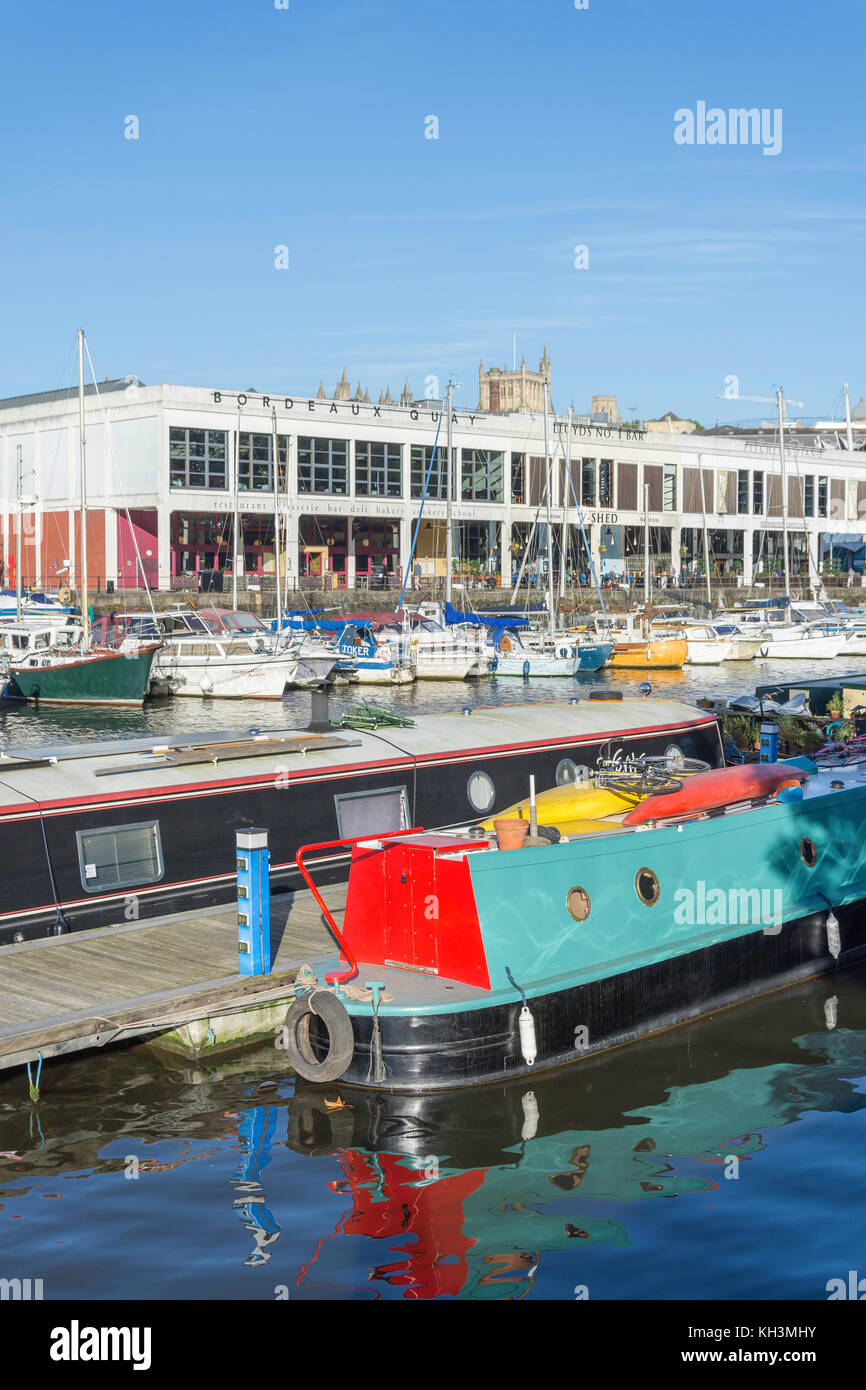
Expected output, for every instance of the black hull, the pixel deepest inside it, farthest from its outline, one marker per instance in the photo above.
(482, 1046)
(197, 829)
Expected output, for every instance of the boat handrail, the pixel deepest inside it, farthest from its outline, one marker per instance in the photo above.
(336, 977)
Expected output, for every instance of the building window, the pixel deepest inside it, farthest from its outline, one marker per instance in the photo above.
(742, 492)
(669, 484)
(256, 462)
(323, 466)
(605, 483)
(123, 857)
(197, 458)
(758, 493)
(420, 459)
(518, 478)
(822, 496)
(378, 470)
(482, 471)
(587, 482)
(808, 496)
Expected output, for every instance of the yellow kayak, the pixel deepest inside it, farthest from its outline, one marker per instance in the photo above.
(575, 801)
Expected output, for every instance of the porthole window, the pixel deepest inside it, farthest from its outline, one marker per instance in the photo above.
(568, 772)
(647, 886)
(808, 853)
(578, 904)
(480, 791)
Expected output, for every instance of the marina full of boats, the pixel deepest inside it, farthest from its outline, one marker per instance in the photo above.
(50, 653)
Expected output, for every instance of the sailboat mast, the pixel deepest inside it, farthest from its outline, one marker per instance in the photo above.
(706, 537)
(546, 385)
(83, 596)
(646, 547)
(849, 437)
(277, 526)
(784, 502)
(564, 542)
(18, 543)
(449, 536)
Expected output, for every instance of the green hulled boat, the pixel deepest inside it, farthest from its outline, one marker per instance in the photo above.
(82, 677)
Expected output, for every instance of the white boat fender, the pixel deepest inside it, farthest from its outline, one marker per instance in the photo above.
(525, 1025)
(530, 1116)
(834, 936)
(831, 1012)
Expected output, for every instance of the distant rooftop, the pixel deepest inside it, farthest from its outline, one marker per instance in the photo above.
(69, 393)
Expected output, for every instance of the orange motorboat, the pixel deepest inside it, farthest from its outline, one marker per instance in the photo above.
(668, 654)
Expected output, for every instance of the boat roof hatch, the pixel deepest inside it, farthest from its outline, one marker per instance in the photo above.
(167, 756)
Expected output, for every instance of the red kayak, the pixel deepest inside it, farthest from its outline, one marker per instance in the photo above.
(723, 786)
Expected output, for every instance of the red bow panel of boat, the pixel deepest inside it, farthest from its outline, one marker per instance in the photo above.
(708, 791)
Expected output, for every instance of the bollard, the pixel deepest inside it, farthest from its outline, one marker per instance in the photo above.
(320, 721)
(254, 902)
(769, 745)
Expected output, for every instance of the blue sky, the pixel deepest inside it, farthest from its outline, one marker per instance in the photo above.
(305, 127)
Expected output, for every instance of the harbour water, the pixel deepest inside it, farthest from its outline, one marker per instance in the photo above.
(721, 1160)
(27, 725)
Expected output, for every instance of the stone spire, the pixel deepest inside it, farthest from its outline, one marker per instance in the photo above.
(406, 394)
(388, 398)
(343, 391)
(358, 396)
(367, 396)
(320, 394)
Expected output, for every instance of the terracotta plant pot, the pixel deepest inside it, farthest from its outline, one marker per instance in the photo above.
(511, 832)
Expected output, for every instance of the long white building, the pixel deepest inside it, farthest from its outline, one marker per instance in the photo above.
(180, 482)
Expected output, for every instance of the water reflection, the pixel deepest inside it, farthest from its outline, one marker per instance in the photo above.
(607, 1178)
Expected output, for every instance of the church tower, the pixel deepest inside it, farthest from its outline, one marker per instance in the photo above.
(503, 392)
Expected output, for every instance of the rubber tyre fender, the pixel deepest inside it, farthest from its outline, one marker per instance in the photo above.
(328, 1008)
(548, 832)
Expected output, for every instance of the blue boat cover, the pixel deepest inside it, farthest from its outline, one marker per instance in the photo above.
(487, 619)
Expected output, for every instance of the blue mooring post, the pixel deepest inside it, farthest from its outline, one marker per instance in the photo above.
(254, 902)
(769, 745)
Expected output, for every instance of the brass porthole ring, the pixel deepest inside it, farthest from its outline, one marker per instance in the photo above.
(578, 904)
(647, 887)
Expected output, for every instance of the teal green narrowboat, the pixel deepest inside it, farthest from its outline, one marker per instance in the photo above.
(462, 963)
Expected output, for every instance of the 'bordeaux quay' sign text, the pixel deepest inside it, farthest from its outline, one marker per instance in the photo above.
(374, 412)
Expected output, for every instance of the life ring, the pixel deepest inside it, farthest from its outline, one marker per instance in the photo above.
(341, 1036)
(526, 668)
(494, 663)
(65, 595)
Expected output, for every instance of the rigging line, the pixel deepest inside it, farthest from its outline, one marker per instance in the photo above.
(579, 510)
(407, 568)
(61, 923)
(116, 471)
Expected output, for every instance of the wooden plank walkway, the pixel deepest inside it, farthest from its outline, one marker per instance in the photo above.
(63, 994)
